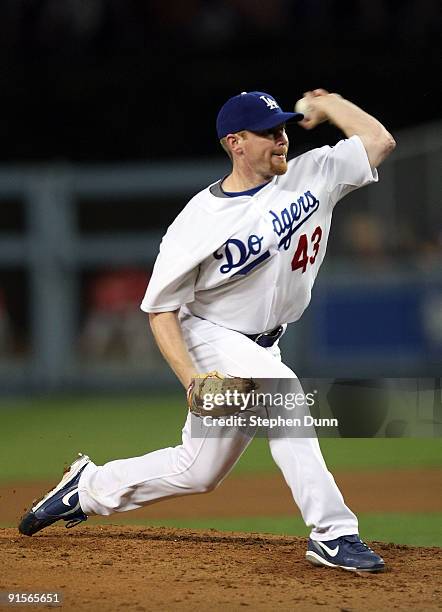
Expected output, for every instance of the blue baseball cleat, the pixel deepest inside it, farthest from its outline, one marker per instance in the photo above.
(348, 552)
(60, 503)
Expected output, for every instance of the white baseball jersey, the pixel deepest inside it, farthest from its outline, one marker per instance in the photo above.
(248, 263)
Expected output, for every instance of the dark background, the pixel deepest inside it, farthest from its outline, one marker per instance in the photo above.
(105, 80)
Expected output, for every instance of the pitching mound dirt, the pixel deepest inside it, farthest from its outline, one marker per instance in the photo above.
(131, 568)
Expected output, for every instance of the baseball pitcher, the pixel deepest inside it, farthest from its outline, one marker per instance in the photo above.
(235, 267)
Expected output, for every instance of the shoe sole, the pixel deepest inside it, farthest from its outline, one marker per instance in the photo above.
(72, 471)
(317, 560)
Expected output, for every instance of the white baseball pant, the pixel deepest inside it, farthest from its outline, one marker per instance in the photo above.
(198, 465)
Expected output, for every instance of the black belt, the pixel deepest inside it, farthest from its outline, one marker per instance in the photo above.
(267, 339)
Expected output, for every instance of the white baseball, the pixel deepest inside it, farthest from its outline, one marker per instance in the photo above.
(302, 106)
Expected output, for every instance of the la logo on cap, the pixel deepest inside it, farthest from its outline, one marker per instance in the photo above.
(271, 104)
(254, 111)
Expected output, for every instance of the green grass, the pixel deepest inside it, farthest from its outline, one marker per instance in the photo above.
(412, 529)
(39, 435)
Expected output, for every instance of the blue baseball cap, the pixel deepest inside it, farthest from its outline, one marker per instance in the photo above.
(254, 111)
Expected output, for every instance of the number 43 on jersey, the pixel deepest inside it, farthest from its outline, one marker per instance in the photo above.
(301, 258)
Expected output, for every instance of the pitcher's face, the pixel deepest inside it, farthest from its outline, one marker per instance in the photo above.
(265, 152)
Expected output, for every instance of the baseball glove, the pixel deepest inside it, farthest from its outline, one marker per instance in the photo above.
(215, 395)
